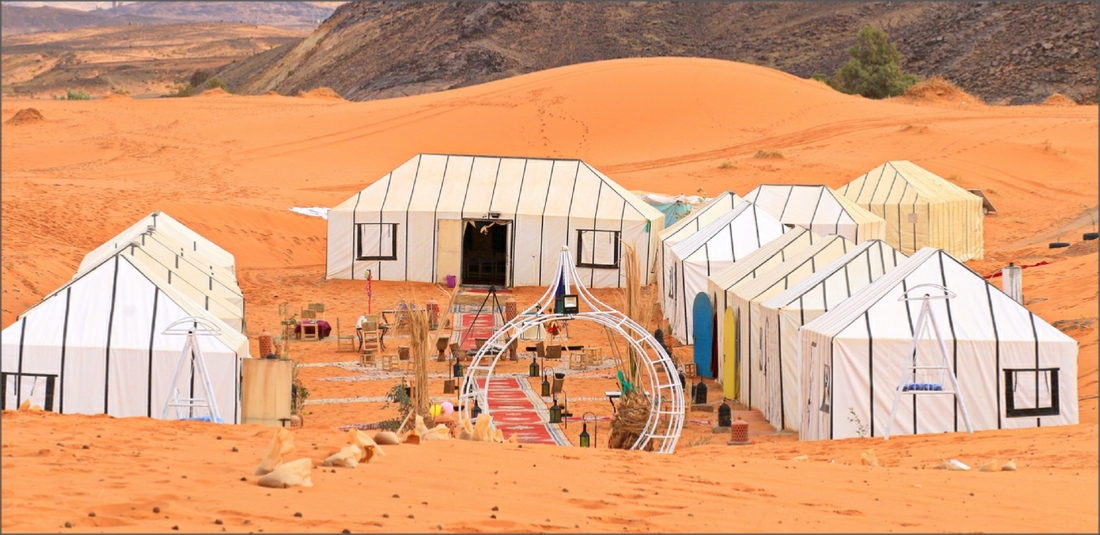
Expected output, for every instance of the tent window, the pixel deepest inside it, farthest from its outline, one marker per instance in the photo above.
(376, 241)
(598, 248)
(1030, 393)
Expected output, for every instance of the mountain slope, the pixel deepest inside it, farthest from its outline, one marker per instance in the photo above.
(16, 20)
(366, 50)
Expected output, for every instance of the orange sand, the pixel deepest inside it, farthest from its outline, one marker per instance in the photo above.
(231, 167)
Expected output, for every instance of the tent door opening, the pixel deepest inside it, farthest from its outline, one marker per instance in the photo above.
(485, 259)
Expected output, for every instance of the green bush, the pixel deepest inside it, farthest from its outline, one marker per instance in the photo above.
(215, 83)
(873, 69)
(184, 90)
(74, 95)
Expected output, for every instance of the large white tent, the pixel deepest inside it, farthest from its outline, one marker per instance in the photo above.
(713, 248)
(490, 220)
(757, 262)
(820, 209)
(96, 346)
(188, 240)
(921, 209)
(690, 224)
(745, 299)
(1014, 369)
(803, 302)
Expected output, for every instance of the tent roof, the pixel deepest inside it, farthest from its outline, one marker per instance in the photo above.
(957, 274)
(163, 249)
(745, 216)
(191, 240)
(751, 289)
(477, 180)
(782, 247)
(790, 295)
(714, 208)
(886, 182)
(808, 204)
(232, 339)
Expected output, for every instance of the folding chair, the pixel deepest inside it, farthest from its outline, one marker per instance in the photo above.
(345, 342)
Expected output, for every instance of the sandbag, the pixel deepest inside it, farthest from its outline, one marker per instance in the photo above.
(347, 457)
(991, 466)
(367, 447)
(281, 444)
(293, 474)
(386, 438)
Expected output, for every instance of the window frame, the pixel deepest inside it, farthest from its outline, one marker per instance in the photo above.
(616, 243)
(1010, 399)
(359, 242)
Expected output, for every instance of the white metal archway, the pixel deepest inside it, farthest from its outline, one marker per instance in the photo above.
(660, 380)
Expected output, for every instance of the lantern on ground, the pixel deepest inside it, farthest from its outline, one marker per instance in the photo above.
(475, 411)
(701, 392)
(545, 385)
(555, 412)
(724, 414)
(266, 347)
(585, 440)
(457, 368)
(533, 370)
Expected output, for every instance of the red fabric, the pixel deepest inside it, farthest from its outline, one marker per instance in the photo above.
(513, 413)
(324, 331)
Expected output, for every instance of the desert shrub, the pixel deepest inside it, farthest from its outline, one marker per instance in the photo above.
(76, 95)
(766, 154)
(873, 69)
(216, 83)
(185, 90)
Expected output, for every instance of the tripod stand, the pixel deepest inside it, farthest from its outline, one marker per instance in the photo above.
(496, 310)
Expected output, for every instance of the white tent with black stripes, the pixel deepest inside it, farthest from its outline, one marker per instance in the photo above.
(921, 209)
(96, 346)
(745, 299)
(690, 224)
(755, 263)
(811, 297)
(715, 247)
(487, 220)
(820, 209)
(188, 242)
(1014, 369)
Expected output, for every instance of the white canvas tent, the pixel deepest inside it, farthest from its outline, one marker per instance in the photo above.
(690, 224)
(95, 346)
(710, 250)
(745, 299)
(189, 240)
(757, 262)
(490, 220)
(811, 297)
(190, 274)
(921, 209)
(1014, 369)
(820, 209)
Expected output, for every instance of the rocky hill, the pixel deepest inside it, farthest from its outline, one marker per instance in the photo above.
(16, 20)
(1002, 52)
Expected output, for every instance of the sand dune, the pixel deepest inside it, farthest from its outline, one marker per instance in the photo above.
(231, 167)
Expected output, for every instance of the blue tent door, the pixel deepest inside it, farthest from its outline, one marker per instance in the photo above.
(703, 333)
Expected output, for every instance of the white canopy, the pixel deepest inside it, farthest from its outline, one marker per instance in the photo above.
(921, 209)
(820, 209)
(713, 248)
(95, 346)
(690, 224)
(745, 299)
(811, 297)
(755, 263)
(420, 223)
(1014, 369)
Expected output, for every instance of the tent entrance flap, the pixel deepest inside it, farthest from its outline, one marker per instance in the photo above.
(485, 259)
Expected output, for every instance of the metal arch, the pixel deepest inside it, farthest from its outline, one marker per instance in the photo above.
(666, 414)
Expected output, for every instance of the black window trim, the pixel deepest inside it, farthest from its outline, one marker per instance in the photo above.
(580, 249)
(1010, 399)
(359, 242)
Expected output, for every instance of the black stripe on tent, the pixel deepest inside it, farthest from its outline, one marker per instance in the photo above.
(492, 195)
(817, 206)
(408, 205)
(107, 351)
(19, 369)
(542, 219)
(618, 262)
(996, 351)
(786, 201)
(355, 241)
(152, 337)
(755, 225)
(237, 372)
(779, 353)
(435, 216)
(1035, 334)
(870, 369)
(466, 192)
(519, 195)
(64, 342)
(916, 347)
(595, 216)
(954, 343)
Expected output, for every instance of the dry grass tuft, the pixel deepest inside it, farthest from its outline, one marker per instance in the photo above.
(768, 154)
(726, 164)
(938, 88)
(1058, 99)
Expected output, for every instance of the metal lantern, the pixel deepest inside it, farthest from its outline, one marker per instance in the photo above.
(545, 385)
(266, 346)
(533, 370)
(457, 368)
(585, 440)
(724, 415)
(555, 412)
(701, 392)
(475, 411)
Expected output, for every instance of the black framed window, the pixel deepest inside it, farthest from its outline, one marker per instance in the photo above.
(598, 248)
(376, 241)
(1031, 392)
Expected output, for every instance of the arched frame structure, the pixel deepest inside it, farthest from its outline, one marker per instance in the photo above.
(659, 378)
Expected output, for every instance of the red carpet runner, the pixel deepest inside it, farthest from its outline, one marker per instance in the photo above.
(514, 412)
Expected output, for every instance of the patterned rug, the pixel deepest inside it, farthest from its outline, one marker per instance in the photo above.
(514, 411)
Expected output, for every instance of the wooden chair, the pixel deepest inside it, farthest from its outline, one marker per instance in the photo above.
(578, 361)
(540, 350)
(308, 327)
(370, 334)
(553, 352)
(318, 309)
(346, 342)
(367, 357)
